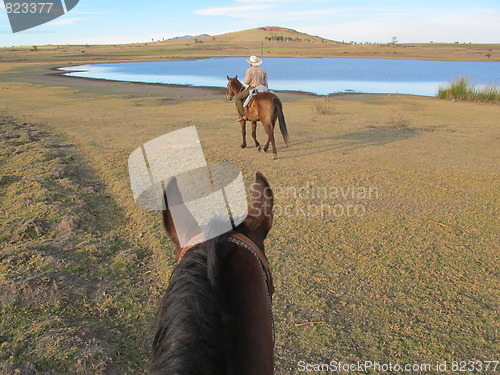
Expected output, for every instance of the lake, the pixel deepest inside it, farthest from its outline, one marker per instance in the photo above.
(316, 75)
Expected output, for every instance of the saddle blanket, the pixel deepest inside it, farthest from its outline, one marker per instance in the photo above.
(253, 92)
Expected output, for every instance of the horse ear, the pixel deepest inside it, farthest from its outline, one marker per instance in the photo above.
(228, 78)
(236, 76)
(260, 210)
(184, 223)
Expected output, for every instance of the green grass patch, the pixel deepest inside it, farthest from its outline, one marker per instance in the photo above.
(462, 89)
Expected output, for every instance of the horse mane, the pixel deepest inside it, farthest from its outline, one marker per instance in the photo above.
(192, 335)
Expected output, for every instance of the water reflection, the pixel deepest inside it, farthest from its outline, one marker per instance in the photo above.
(320, 76)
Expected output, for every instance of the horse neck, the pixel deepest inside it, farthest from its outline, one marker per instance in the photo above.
(180, 320)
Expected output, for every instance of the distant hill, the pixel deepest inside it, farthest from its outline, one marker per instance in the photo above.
(263, 41)
(256, 36)
(274, 33)
(189, 36)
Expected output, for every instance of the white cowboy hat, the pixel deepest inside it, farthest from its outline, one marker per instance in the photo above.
(254, 61)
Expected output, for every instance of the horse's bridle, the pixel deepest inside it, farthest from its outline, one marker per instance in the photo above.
(242, 241)
(233, 92)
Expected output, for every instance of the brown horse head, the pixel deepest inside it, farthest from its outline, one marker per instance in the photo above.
(234, 87)
(215, 317)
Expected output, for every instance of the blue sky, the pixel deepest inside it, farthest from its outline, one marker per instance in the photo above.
(126, 21)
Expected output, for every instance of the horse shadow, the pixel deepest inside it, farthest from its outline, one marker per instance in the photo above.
(371, 136)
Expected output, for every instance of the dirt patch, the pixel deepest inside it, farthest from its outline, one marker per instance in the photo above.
(67, 226)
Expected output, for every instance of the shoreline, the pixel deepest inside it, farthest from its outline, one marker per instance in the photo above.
(400, 77)
(65, 74)
(51, 75)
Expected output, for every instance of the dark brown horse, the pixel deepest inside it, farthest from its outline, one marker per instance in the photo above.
(266, 107)
(216, 317)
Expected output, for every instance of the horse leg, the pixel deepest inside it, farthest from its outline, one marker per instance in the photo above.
(269, 128)
(266, 147)
(269, 131)
(254, 134)
(272, 125)
(243, 134)
(271, 137)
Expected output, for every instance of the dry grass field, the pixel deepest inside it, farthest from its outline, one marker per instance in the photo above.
(266, 42)
(385, 240)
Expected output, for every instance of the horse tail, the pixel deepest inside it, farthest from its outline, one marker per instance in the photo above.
(281, 119)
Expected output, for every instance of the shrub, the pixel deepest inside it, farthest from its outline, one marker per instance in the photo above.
(462, 89)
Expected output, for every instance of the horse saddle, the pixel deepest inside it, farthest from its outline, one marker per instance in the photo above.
(253, 92)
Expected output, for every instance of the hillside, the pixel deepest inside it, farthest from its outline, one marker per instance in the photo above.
(274, 41)
(268, 40)
(273, 34)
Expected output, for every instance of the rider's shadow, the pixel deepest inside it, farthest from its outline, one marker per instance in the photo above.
(371, 136)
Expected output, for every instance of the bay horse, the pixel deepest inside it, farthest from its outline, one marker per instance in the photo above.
(216, 317)
(265, 107)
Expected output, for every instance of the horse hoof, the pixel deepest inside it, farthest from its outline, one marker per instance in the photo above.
(265, 149)
(243, 145)
(275, 156)
(259, 149)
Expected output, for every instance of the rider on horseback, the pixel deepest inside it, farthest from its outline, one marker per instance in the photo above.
(255, 76)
